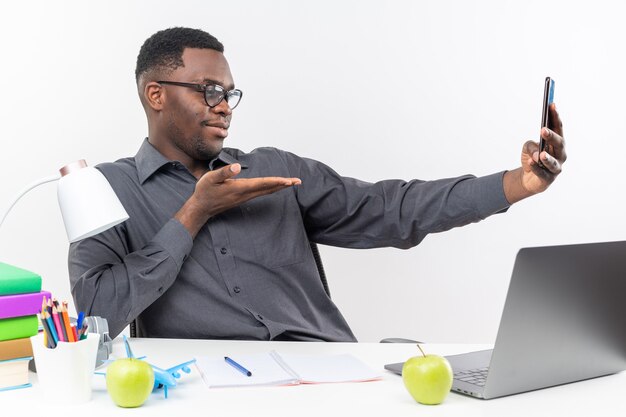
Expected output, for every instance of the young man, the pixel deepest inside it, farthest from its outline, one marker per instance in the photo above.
(217, 243)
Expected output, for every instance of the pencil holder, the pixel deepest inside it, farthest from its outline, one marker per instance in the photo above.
(65, 373)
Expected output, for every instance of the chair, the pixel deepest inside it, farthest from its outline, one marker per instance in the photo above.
(320, 269)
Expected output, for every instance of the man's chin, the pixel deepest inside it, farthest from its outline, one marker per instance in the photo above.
(208, 149)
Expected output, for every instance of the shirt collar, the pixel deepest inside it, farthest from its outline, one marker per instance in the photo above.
(149, 160)
(224, 159)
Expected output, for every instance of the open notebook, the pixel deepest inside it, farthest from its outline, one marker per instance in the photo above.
(272, 368)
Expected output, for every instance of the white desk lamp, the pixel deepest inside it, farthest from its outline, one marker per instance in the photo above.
(88, 206)
(87, 201)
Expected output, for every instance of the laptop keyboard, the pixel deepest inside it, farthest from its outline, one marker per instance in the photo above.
(476, 376)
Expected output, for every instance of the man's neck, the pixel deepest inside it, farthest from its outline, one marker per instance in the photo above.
(196, 167)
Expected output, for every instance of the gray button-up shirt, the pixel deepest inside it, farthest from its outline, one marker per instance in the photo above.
(249, 273)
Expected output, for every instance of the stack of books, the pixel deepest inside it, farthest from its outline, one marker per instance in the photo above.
(20, 301)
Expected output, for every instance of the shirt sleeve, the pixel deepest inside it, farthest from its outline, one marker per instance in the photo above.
(100, 268)
(347, 212)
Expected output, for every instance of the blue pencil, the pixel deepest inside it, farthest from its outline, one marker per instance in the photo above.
(79, 321)
(52, 328)
(237, 366)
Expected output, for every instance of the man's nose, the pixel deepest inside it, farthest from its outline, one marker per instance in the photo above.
(223, 108)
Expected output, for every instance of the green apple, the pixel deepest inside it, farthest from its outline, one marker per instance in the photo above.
(129, 382)
(428, 378)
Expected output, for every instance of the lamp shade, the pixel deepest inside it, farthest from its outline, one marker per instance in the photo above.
(87, 201)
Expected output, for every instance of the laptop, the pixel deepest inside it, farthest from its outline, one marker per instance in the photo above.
(564, 320)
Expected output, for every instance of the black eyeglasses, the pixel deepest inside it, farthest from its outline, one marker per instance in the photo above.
(213, 93)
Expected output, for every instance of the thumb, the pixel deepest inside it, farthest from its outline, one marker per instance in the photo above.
(224, 173)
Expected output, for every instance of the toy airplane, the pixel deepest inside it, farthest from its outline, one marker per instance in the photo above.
(163, 378)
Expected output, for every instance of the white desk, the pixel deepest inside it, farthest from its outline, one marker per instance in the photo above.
(601, 396)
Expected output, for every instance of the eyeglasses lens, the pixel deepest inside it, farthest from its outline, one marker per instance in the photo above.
(215, 93)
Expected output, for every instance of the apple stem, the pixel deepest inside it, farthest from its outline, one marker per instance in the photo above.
(420, 348)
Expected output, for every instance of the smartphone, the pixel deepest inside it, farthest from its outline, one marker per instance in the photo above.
(548, 98)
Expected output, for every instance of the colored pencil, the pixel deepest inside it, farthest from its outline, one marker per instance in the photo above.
(43, 320)
(83, 332)
(74, 333)
(66, 323)
(57, 324)
(48, 339)
(51, 327)
(79, 321)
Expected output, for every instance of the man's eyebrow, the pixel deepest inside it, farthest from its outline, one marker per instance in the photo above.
(211, 81)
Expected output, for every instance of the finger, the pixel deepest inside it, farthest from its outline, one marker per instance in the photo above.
(261, 188)
(530, 153)
(550, 163)
(264, 182)
(530, 147)
(288, 182)
(224, 173)
(555, 144)
(265, 191)
(554, 120)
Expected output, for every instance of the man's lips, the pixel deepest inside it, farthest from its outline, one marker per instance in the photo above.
(219, 128)
(221, 125)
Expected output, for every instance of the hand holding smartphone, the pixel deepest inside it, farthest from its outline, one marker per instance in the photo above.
(548, 98)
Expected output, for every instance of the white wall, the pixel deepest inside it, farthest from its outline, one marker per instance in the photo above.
(462, 85)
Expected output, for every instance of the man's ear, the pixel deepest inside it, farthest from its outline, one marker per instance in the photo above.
(154, 95)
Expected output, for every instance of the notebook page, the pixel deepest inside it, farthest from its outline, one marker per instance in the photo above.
(265, 370)
(314, 369)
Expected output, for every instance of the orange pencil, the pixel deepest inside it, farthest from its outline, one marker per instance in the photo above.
(66, 323)
(74, 333)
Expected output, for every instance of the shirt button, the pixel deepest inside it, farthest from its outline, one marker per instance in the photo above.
(237, 290)
(160, 289)
(260, 317)
(223, 251)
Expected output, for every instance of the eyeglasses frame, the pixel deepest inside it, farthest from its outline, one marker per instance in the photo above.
(202, 88)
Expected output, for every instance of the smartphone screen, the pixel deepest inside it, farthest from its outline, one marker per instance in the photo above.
(548, 98)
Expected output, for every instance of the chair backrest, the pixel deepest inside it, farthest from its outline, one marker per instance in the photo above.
(320, 269)
(320, 266)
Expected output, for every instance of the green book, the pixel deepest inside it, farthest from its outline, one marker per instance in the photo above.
(18, 327)
(14, 280)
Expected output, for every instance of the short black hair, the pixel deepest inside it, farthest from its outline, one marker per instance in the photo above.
(163, 51)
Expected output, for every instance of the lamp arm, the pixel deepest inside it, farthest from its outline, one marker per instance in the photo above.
(26, 189)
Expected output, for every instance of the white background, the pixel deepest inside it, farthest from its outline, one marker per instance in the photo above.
(406, 89)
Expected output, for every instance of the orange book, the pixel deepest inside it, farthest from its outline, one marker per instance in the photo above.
(16, 348)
